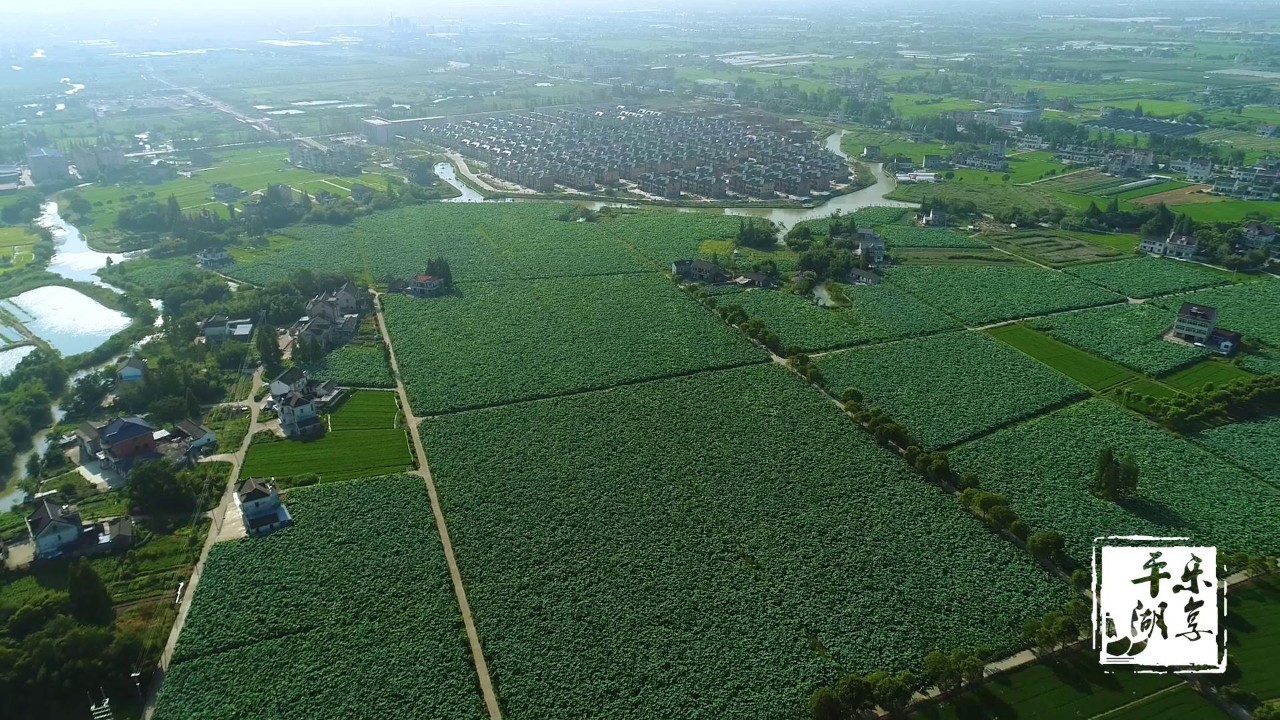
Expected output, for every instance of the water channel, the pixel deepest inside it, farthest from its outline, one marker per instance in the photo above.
(784, 218)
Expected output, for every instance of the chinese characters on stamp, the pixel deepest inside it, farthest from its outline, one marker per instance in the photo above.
(1158, 605)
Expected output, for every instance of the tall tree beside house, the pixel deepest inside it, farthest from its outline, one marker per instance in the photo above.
(440, 268)
(87, 596)
(268, 347)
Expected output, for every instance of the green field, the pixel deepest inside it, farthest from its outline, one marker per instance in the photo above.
(1074, 687)
(1024, 167)
(906, 236)
(1206, 372)
(988, 197)
(1089, 370)
(366, 436)
(948, 388)
(152, 276)
(1253, 444)
(15, 248)
(1060, 248)
(1253, 636)
(502, 241)
(981, 294)
(1232, 211)
(1045, 467)
(293, 625)
(890, 144)
(1147, 276)
(874, 313)
(668, 549)
(500, 342)
(1129, 334)
(354, 366)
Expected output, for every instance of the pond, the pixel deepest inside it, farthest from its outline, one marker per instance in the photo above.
(70, 321)
(9, 359)
(73, 259)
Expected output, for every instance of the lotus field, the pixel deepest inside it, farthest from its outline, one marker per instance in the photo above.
(287, 625)
(1045, 466)
(1254, 445)
(906, 236)
(948, 388)
(981, 294)
(1128, 334)
(708, 546)
(494, 343)
(1148, 276)
(355, 366)
(875, 313)
(1248, 308)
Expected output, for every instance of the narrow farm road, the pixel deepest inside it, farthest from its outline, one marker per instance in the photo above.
(473, 638)
(217, 516)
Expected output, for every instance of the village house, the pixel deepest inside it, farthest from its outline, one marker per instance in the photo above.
(298, 416)
(132, 370)
(871, 246)
(213, 258)
(425, 286)
(295, 379)
(332, 319)
(933, 218)
(1181, 247)
(217, 328)
(119, 444)
(871, 152)
(57, 531)
(226, 192)
(197, 436)
(756, 280)
(260, 506)
(1259, 235)
(864, 277)
(1195, 323)
(1199, 170)
(698, 271)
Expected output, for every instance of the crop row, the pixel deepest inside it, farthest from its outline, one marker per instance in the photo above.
(908, 236)
(979, 294)
(677, 549)
(494, 343)
(302, 623)
(1147, 276)
(874, 313)
(947, 388)
(1046, 466)
(1131, 335)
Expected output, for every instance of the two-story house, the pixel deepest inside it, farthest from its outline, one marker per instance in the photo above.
(118, 444)
(871, 246)
(213, 258)
(298, 416)
(698, 271)
(426, 286)
(260, 506)
(1259, 235)
(53, 528)
(294, 380)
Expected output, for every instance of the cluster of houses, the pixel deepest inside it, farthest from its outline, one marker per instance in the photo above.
(705, 271)
(663, 154)
(298, 399)
(117, 445)
(332, 318)
(218, 328)
(340, 158)
(1180, 246)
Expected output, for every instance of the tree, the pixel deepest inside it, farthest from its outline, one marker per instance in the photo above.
(87, 596)
(823, 705)
(892, 692)
(940, 670)
(268, 347)
(1115, 480)
(854, 694)
(1046, 546)
(155, 488)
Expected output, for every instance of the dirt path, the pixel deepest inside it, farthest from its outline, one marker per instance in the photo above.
(473, 638)
(218, 517)
(460, 164)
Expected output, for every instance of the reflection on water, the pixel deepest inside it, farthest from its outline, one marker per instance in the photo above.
(68, 320)
(73, 260)
(9, 359)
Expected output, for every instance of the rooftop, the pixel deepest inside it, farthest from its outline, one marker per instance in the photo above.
(1198, 312)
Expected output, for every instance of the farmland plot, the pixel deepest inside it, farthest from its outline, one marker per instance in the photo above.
(1128, 334)
(875, 313)
(500, 342)
(979, 294)
(1248, 308)
(905, 236)
(1147, 276)
(948, 388)
(354, 366)
(1254, 444)
(668, 549)
(481, 242)
(1045, 466)
(306, 632)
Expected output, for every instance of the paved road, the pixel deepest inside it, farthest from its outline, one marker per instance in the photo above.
(473, 638)
(218, 516)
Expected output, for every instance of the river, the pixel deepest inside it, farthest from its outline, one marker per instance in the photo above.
(784, 218)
